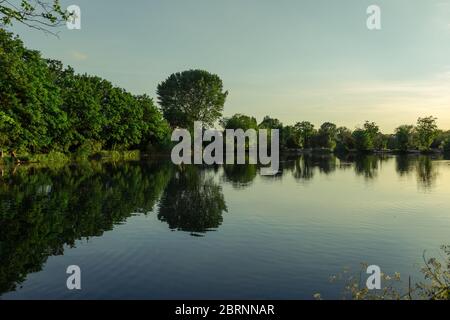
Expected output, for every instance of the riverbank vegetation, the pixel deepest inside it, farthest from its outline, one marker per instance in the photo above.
(48, 109)
(48, 112)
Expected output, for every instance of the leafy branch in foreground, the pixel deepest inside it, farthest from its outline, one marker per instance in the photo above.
(435, 287)
(36, 14)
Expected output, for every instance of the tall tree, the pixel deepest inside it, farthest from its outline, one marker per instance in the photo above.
(327, 135)
(290, 138)
(362, 140)
(426, 130)
(45, 107)
(270, 123)
(404, 136)
(306, 132)
(372, 130)
(239, 121)
(29, 100)
(344, 139)
(193, 95)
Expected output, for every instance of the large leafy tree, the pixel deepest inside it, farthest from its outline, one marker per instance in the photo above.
(155, 129)
(290, 138)
(362, 140)
(46, 107)
(327, 135)
(239, 121)
(29, 100)
(193, 95)
(270, 123)
(306, 133)
(404, 136)
(368, 138)
(344, 139)
(427, 131)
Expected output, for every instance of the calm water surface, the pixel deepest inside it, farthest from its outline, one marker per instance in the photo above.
(150, 230)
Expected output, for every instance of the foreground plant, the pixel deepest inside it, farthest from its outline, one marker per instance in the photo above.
(436, 284)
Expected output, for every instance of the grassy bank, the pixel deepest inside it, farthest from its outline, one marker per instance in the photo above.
(61, 158)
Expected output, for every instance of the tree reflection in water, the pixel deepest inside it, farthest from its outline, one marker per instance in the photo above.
(42, 210)
(192, 201)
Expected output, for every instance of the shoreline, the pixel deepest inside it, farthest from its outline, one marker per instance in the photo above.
(137, 155)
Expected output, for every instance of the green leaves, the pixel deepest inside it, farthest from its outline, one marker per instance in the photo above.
(34, 14)
(239, 121)
(28, 96)
(426, 130)
(46, 107)
(193, 95)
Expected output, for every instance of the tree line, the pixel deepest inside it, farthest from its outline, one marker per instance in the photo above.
(46, 107)
(424, 136)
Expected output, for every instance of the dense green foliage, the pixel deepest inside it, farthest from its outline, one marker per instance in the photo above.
(239, 121)
(427, 131)
(303, 135)
(404, 136)
(45, 107)
(193, 95)
(48, 108)
(446, 146)
(192, 202)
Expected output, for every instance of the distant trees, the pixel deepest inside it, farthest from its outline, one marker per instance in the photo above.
(193, 95)
(405, 137)
(367, 138)
(270, 123)
(446, 145)
(239, 121)
(45, 107)
(427, 131)
(327, 135)
(362, 140)
(305, 132)
(290, 138)
(344, 140)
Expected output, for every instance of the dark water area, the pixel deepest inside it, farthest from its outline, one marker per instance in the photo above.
(152, 230)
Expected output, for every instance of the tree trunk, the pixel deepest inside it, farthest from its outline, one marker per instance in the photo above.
(14, 156)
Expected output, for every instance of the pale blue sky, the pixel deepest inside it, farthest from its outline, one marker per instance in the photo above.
(295, 60)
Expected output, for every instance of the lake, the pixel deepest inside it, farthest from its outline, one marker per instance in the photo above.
(151, 230)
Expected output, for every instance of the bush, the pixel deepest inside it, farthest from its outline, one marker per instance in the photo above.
(88, 148)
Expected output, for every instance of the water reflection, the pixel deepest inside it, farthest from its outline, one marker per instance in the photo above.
(192, 201)
(404, 164)
(240, 176)
(424, 167)
(43, 210)
(427, 172)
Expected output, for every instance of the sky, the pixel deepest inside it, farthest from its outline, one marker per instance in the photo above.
(295, 60)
